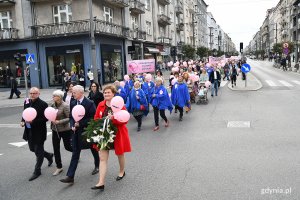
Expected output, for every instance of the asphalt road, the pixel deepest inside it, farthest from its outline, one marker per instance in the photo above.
(198, 158)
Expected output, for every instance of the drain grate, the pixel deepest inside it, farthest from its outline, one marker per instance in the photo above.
(238, 124)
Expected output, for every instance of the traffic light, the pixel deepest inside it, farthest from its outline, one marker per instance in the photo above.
(241, 47)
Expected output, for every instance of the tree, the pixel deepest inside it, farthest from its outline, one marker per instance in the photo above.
(202, 52)
(188, 51)
(277, 48)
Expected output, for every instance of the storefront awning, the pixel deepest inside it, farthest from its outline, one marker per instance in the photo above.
(152, 50)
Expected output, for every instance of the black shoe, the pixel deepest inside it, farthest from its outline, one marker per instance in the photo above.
(95, 171)
(9, 97)
(175, 111)
(120, 178)
(34, 176)
(67, 180)
(101, 187)
(50, 161)
(180, 119)
(138, 129)
(18, 97)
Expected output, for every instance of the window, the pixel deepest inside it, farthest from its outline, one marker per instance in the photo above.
(161, 9)
(147, 4)
(5, 20)
(134, 22)
(108, 14)
(62, 13)
(162, 31)
(148, 28)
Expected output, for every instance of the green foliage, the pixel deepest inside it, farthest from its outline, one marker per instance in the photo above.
(101, 132)
(202, 52)
(188, 51)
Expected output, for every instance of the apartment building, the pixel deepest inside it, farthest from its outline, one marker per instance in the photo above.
(58, 33)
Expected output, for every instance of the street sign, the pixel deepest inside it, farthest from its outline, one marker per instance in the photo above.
(30, 59)
(245, 68)
(285, 45)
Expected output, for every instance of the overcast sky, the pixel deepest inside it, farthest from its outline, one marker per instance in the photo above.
(241, 19)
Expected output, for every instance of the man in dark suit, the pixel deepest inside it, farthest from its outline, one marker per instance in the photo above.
(78, 129)
(214, 78)
(36, 131)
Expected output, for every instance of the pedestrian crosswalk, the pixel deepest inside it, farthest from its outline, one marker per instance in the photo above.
(280, 83)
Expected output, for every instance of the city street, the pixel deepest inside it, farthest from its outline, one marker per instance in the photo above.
(238, 146)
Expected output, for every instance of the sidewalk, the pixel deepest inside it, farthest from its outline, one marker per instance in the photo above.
(46, 95)
(253, 84)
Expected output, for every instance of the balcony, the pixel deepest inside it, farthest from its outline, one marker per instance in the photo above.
(7, 2)
(118, 3)
(164, 2)
(164, 40)
(8, 34)
(61, 29)
(137, 7)
(179, 9)
(180, 27)
(107, 28)
(137, 34)
(164, 20)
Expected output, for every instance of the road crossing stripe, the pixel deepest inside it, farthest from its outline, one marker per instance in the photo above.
(271, 83)
(223, 83)
(285, 83)
(1, 154)
(297, 82)
(18, 144)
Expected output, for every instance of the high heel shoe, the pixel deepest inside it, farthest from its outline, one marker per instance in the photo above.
(120, 177)
(101, 187)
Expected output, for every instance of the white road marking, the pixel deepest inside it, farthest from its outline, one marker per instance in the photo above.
(297, 82)
(223, 83)
(285, 83)
(238, 124)
(15, 126)
(18, 144)
(1, 154)
(271, 83)
(49, 133)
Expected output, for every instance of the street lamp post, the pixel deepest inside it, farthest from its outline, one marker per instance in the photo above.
(93, 43)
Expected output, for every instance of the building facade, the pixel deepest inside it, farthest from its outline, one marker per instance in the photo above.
(124, 30)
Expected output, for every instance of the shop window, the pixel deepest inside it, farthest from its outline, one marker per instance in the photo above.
(62, 13)
(69, 58)
(108, 14)
(112, 63)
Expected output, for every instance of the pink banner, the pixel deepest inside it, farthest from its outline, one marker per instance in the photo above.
(216, 60)
(140, 66)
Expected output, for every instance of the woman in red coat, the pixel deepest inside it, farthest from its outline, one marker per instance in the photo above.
(121, 143)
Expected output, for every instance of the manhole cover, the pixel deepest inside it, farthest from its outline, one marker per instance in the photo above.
(238, 124)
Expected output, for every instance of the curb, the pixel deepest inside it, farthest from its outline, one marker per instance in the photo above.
(248, 88)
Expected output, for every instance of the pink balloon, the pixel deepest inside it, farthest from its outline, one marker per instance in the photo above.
(148, 77)
(189, 62)
(184, 64)
(117, 103)
(122, 116)
(176, 69)
(174, 81)
(78, 112)
(122, 83)
(173, 69)
(197, 78)
(50, 113)
(126, 77)
(29, 114)
(207, 84)
(192, 77)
